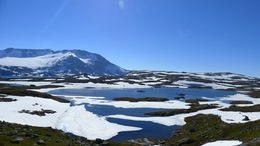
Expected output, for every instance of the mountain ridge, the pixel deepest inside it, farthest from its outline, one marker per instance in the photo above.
(50, 63)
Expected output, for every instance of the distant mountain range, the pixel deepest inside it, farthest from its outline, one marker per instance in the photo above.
(49, 63)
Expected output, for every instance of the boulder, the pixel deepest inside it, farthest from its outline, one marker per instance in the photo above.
(185, 141)
(41, 142)
(17, 140)
(246, 118)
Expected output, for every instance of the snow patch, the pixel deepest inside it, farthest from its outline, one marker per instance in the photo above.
(223, 143)
(87, 61)
(213, 85)
(83, 123)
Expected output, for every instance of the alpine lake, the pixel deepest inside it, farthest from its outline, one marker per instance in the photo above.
(149, 129)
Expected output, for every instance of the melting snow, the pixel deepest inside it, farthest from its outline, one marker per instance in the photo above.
(213, 85)
(10, 111)
(83, 123)
(77, 120)
(224, 143)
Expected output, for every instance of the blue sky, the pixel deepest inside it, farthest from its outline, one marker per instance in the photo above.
(173, 35)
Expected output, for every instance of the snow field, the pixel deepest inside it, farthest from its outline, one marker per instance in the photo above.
(75, 119)
(35, 62)
(10, 111)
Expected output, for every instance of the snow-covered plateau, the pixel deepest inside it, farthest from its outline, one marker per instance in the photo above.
(74, 118)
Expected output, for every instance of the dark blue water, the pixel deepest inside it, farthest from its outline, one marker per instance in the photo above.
(150, 129)
(105, 110)
(170, 93)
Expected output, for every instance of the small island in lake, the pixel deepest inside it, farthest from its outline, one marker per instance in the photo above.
(149, 99)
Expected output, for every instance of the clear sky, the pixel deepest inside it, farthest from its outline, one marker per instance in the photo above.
(173, 35)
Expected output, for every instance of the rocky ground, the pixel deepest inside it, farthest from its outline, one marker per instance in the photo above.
(24, 135)
(222, 80)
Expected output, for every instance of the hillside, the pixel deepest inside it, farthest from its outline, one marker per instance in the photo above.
(49, 63)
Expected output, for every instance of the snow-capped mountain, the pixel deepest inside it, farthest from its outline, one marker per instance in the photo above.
(49, 63)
